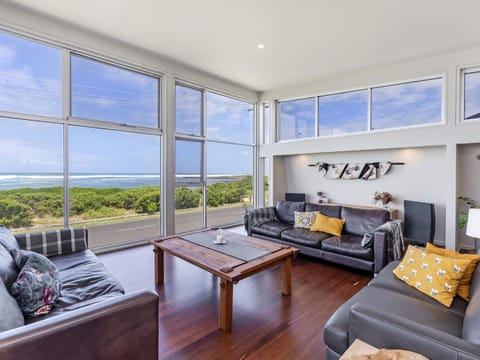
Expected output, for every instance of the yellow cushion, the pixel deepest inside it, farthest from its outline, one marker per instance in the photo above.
(434, 275)
(328, 225)
(305, 219)
(464, 286)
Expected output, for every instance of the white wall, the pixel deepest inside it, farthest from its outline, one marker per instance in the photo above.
(412, 181)
(447, 136)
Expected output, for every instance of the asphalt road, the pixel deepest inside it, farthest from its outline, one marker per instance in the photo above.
(138, 229)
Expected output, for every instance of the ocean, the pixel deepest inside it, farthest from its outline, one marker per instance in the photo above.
(123, 181)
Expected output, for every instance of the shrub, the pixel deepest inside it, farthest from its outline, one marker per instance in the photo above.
(15, 214)
(148, 203)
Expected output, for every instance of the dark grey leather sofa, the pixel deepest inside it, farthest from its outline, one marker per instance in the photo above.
(344, 250)
(93, 318)
(390, 314)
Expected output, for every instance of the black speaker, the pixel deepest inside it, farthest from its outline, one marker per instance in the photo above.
(294, 196)
(419, 226)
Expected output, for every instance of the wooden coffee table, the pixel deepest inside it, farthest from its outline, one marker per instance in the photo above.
(229, 268)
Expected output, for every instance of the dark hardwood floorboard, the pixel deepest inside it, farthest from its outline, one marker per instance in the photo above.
(266, 325)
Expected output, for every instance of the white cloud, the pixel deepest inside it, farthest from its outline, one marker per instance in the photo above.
(6, 55)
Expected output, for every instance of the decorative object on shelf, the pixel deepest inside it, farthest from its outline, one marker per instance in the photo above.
(321, 198)
(384, 197)
(365, 171)
(473, 226)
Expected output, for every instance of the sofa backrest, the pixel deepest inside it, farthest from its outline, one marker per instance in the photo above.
(285, 210)
(359, 221)
(327, 210)
(471, 320)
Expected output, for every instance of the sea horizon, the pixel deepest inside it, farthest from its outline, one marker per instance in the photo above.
(11, 180)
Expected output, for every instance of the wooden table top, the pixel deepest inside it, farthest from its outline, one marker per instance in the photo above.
(225, 266)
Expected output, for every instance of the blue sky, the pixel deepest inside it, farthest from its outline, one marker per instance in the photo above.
(30, 82)
(407, 104)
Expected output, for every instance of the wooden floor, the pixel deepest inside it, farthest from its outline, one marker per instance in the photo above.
(266, 325)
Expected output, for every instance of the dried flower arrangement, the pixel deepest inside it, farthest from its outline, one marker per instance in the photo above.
(384, 197)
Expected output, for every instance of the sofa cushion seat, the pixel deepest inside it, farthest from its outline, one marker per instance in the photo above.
(349, 245)
(84, 279)
(305, 237)
(271, 228)
(387, 280)
(435, 316)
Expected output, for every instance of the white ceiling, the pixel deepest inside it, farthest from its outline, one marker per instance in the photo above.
(304, 39)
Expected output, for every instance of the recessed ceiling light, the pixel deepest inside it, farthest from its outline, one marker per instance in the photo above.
(260, 46)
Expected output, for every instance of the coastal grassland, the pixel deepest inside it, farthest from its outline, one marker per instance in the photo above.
(28, 207)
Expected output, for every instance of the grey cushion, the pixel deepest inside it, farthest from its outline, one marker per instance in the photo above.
(305, 237)
(8, 268)
(271, 228)
(327, 210)
(349, 245)
(286, 210)
(10, 314)
(386, 301)
(360, 221)
(8, 240)
(83, 278)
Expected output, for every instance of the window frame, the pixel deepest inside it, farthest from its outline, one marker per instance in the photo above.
(66, 119)
(204, 139)
(461, 76)
(111, 124)
(442, 122)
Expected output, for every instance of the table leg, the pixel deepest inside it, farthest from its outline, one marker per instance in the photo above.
(158, 253)
(226, 305)
(287, 276)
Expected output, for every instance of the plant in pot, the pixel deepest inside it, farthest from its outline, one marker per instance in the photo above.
(467, 203)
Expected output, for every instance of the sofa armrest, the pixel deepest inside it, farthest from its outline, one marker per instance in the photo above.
(380, 250)
(248, 221)
(258, 216)
(124, 327)
(55, 242)
(387, 330)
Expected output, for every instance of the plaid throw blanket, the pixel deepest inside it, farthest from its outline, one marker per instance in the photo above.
(262, 215)
(395, 243)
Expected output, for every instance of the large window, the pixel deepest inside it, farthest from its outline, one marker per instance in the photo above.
(31, 179)
(296, 119)
(384, 107)
(229, 119)
(218, 164)
(113, 179)
(30, 77)
(114, 184)
(105, 92)
(471, 95)
(414, 103)
(343, 113)
(188, 106)
(189, 185)
(229, 180)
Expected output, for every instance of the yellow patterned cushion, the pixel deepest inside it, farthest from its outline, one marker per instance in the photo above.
(304, 219)
(328, 225)
(434, 275)
(464, 286)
